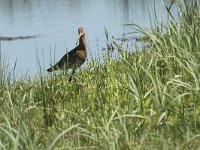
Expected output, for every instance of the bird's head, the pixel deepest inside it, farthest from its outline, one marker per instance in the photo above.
(81, 32)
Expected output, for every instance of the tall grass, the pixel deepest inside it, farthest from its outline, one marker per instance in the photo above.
(148, 99)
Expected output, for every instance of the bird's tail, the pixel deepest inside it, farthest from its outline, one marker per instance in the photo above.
(50, 70)
(53, 68)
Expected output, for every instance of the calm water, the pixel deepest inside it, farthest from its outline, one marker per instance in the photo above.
(57, 22)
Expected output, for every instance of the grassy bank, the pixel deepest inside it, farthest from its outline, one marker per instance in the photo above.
(149, 99)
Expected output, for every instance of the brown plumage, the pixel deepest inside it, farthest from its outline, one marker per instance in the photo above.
(74, 58)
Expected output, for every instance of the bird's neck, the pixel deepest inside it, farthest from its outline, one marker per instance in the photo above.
(82, 42)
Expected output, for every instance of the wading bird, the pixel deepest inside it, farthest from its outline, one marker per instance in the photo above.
(74, 58)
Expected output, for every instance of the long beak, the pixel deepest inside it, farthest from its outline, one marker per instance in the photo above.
(78, 39)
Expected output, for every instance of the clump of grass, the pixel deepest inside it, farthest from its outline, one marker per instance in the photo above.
(148, 99)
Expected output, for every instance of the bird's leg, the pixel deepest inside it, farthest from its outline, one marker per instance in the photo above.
(71, 76)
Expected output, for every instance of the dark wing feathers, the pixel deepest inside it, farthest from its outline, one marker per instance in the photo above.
(69, 60)
(63, 62)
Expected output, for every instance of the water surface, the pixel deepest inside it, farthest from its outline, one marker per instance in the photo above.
(57, 22)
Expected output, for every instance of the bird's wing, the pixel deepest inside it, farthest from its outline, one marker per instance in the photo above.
(80, 55)
(65, 61)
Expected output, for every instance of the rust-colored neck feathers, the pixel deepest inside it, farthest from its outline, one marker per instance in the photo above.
(82, 42)
(82, 39)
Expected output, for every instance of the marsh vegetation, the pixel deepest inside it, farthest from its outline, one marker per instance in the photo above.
(146, 99)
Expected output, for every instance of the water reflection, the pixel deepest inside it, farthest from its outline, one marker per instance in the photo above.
(57, 22)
